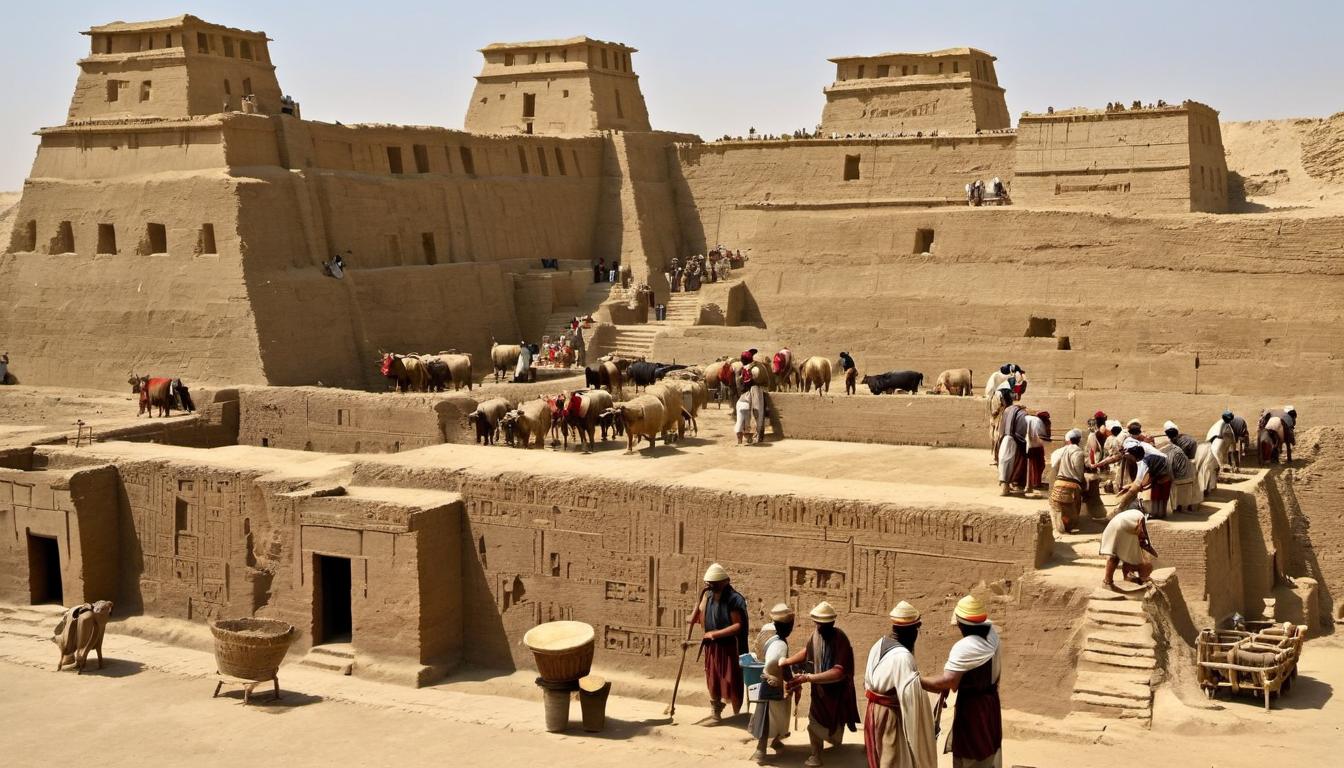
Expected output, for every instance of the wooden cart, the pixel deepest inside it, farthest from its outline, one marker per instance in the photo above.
(1261, 659)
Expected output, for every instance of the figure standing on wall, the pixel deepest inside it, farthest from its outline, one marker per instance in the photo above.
(898, 726)
(851, 373)
(831, 658)
(972, 670)
(724, 616)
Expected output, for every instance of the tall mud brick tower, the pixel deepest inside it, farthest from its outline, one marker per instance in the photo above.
(952, 91)
(557, 87)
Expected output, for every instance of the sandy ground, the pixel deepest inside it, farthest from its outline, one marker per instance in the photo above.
(29, 414)
(151, 705)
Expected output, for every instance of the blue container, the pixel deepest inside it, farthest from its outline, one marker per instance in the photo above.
(751, 669)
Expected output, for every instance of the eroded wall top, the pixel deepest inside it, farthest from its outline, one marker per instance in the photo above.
(955, 90)
(570, 86)
(173, 68)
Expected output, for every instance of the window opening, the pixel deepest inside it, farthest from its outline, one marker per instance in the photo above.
(427, 243)
(64, 241)
(107, 239)
(394, 159)
(156, 240)
(851, 167)
(205, 243)
(421, 153)
(923, 241)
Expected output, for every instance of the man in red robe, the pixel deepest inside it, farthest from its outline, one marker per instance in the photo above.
(830, 657)
(724, 615)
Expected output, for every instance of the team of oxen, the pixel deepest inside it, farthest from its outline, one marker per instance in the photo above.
(162, 393)
(667, 398)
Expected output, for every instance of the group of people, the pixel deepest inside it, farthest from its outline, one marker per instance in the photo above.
(1176, 469)
(975, 191)
(700, 268)
(604, 274)
(899, 725)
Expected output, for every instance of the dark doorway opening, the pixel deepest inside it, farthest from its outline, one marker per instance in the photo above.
(923, 241)
(44, 571)
(331, 599)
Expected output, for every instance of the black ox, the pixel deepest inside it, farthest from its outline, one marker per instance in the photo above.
(895, 381)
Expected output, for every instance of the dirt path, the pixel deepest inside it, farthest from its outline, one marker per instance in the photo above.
(157, 710)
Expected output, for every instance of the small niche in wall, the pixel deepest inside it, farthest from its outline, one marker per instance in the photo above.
(25, 237)
(924, 241)
(1040, 328)
(156, 240)
(851, 167)
(205, 241)
(107, 238)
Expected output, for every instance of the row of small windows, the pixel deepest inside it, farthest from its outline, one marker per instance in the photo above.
(610, 59)
(420, 154)
(154, 239)
(889, 70)
(205, 43)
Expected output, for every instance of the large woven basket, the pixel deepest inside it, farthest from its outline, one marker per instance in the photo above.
(563, 650)
(251, 649)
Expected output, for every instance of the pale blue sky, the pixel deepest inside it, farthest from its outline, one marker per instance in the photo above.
(718, 67)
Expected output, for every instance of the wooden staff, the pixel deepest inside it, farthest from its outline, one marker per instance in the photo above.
(690, 629)
(938, 713)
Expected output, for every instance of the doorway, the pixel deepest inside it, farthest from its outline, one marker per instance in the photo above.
(44, 571)
(331, 600)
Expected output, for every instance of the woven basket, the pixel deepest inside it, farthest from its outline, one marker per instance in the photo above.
(251, 649)
(563, 650)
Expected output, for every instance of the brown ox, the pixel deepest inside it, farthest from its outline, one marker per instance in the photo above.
(154, 392)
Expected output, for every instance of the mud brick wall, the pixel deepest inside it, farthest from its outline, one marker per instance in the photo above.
(343, 421)
(944, 421)
(1207, 555)
(76, 508)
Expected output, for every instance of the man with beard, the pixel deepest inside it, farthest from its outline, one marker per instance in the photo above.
(972, 670)
(724, 615)
(831, 658)
(770, 722)
(898, 726)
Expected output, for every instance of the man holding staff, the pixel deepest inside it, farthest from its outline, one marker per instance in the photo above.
(723, 611)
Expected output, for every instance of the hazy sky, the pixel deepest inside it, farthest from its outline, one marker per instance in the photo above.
(717, 67)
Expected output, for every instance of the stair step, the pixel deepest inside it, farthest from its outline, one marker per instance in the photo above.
(1127, 607)
(1108, 659)
(1138, 638)
(1112, 702)
(1122, 651)
(1116, 619)
(1117, 685)
(342, 651)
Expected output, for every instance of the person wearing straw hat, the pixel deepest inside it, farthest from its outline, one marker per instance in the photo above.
(724, 615)
(770, 720)
(831, 658)
(1066, 491)
(972, 670)
(898, 726)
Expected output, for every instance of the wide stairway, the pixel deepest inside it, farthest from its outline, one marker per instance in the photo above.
(1117, 662)
(683, 309)
(593, 296)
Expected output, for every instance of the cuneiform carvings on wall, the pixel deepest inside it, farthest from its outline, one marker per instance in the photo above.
(627, 558)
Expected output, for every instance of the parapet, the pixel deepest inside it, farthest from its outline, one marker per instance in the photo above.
(955, 90)
(172, 68)
(574, 85)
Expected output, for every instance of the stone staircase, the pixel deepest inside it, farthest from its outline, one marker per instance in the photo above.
(558, 321)
(1117, 664)
(683, 309)
(334, 657)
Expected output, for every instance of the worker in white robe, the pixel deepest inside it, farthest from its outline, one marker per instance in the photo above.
(898, 725)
